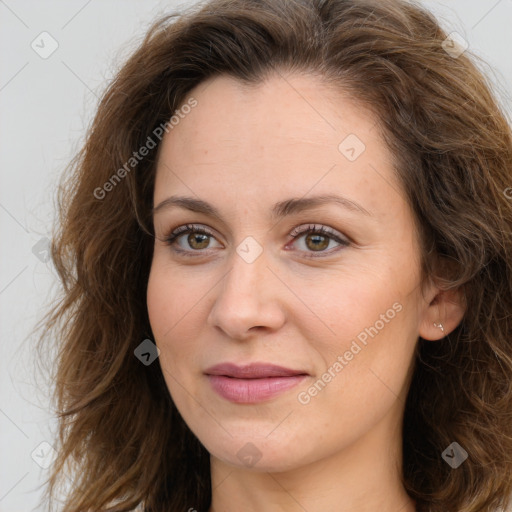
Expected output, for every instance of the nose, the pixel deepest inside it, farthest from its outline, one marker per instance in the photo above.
(248, 299)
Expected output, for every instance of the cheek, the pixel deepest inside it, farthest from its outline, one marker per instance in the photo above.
(338, 310)
(169, 299)
(366, 319)
(167, 309)
(160, 300)
(169, 314)
(176, 309)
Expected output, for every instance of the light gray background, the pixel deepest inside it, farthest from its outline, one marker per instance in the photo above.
(45, 107)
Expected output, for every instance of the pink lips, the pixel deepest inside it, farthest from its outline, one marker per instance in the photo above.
(252, 383)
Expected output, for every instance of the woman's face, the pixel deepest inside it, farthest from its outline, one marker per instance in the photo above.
(314, 331)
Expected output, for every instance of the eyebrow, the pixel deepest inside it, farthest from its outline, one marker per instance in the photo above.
(279, 210)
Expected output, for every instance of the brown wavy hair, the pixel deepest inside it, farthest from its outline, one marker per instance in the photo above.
(121, 440)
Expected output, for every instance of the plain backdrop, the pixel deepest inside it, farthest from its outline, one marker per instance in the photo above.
(56, 59)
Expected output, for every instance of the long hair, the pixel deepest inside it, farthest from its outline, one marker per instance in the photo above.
(121, 441)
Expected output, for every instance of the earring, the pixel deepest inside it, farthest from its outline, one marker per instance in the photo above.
(440, 326)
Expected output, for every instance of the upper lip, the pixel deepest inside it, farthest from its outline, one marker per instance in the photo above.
(252, 371)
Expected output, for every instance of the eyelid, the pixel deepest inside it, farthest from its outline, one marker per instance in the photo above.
(319, 228)
(175, 233)
(190, 227)
(340, 239)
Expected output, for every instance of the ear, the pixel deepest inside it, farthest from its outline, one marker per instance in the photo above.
(446, 308)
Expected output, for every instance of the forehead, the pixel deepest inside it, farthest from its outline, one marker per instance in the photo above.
(290, 133)
(297, 110)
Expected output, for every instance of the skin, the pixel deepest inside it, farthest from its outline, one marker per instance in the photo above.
(243, 149)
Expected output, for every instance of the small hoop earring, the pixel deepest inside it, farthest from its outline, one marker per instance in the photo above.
(440, 326)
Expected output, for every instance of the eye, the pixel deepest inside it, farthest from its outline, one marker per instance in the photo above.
(198, 239)
(316, 239)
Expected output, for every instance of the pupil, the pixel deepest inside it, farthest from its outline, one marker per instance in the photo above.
(315, 239)
(192, 239)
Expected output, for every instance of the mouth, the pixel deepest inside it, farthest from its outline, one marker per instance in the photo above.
(252, 383)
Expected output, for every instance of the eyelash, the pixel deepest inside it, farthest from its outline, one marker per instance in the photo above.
(295, 234)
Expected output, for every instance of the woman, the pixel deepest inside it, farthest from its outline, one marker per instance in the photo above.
(286, 256)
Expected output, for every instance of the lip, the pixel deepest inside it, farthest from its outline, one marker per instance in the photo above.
(252, 383)
(252, 371)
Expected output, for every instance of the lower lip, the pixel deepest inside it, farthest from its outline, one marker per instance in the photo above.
(249, 391)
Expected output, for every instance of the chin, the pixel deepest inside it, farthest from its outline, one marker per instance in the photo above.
(255, 450)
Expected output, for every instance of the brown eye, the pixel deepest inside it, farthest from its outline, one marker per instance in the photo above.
(317, 242)
(198, 240)
(316, 239)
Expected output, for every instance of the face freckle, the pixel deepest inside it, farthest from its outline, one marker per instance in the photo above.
(294, 308)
